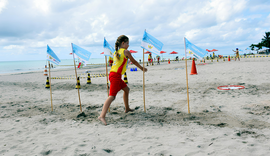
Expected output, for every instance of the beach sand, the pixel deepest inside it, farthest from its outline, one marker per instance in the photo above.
(232, 122)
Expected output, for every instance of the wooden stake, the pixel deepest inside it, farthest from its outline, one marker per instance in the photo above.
(107, 79)
(76, 79)
(187, 87)
(187, 77)
(50, 84)
(143, 84)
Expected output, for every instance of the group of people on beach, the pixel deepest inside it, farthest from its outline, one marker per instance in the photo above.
(150, 59)
(236, 55)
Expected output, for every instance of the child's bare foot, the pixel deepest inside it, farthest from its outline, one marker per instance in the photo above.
(129, 110)
(102, 120)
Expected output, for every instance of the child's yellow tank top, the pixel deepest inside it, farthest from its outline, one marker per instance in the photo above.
(119, 65)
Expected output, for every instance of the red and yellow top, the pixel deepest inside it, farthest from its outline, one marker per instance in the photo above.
(110, 60)
(119, 65)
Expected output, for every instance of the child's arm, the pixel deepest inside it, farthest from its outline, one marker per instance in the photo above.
(128, 54)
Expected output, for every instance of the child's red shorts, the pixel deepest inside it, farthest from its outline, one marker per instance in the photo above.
(116, 83)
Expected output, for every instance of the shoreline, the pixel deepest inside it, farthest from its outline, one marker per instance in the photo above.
(103, 64)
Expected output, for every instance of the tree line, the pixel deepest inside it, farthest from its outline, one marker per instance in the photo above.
(264, 43)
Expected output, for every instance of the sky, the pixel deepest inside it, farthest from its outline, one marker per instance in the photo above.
(28, 26)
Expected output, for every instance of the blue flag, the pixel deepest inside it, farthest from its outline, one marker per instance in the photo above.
(81, 53)
(151, 44)
(108, 49)
(194, 51)
(52, 57)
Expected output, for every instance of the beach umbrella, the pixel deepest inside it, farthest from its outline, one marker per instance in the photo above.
(214, 50)
(148, 52)
(102, 53)
(173, 52)
(133, 51)
(211, 50)
(162, 52)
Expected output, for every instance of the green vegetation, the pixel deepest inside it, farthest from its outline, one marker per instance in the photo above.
(265, 42)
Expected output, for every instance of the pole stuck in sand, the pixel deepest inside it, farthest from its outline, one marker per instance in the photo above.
(143, 85)
(107, 78)
(186, 76)
(51, 57)
(76, 77)
(50, 84)
(152, 45)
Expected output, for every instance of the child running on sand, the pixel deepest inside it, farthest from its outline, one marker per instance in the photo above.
(237, 54)
(120, 60)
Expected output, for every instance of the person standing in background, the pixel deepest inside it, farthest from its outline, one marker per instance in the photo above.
(237, 54)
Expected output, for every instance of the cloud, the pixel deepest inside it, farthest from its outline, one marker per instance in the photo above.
(33, 24)
(42, 6)
(3, 4)
(225, 10)
(259, 5)
(16, 47)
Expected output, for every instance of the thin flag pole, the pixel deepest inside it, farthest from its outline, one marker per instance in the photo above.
(50, 84)
(187, 76)
(143, 84)
(76, 78)
(107, 78)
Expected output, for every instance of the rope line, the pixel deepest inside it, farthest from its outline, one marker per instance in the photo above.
(82, 76)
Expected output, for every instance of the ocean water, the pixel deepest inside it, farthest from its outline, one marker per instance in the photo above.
(39, 65)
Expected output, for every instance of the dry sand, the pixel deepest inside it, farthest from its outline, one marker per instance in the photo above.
(234, 122)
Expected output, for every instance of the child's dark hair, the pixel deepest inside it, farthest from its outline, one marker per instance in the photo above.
(118, 43)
